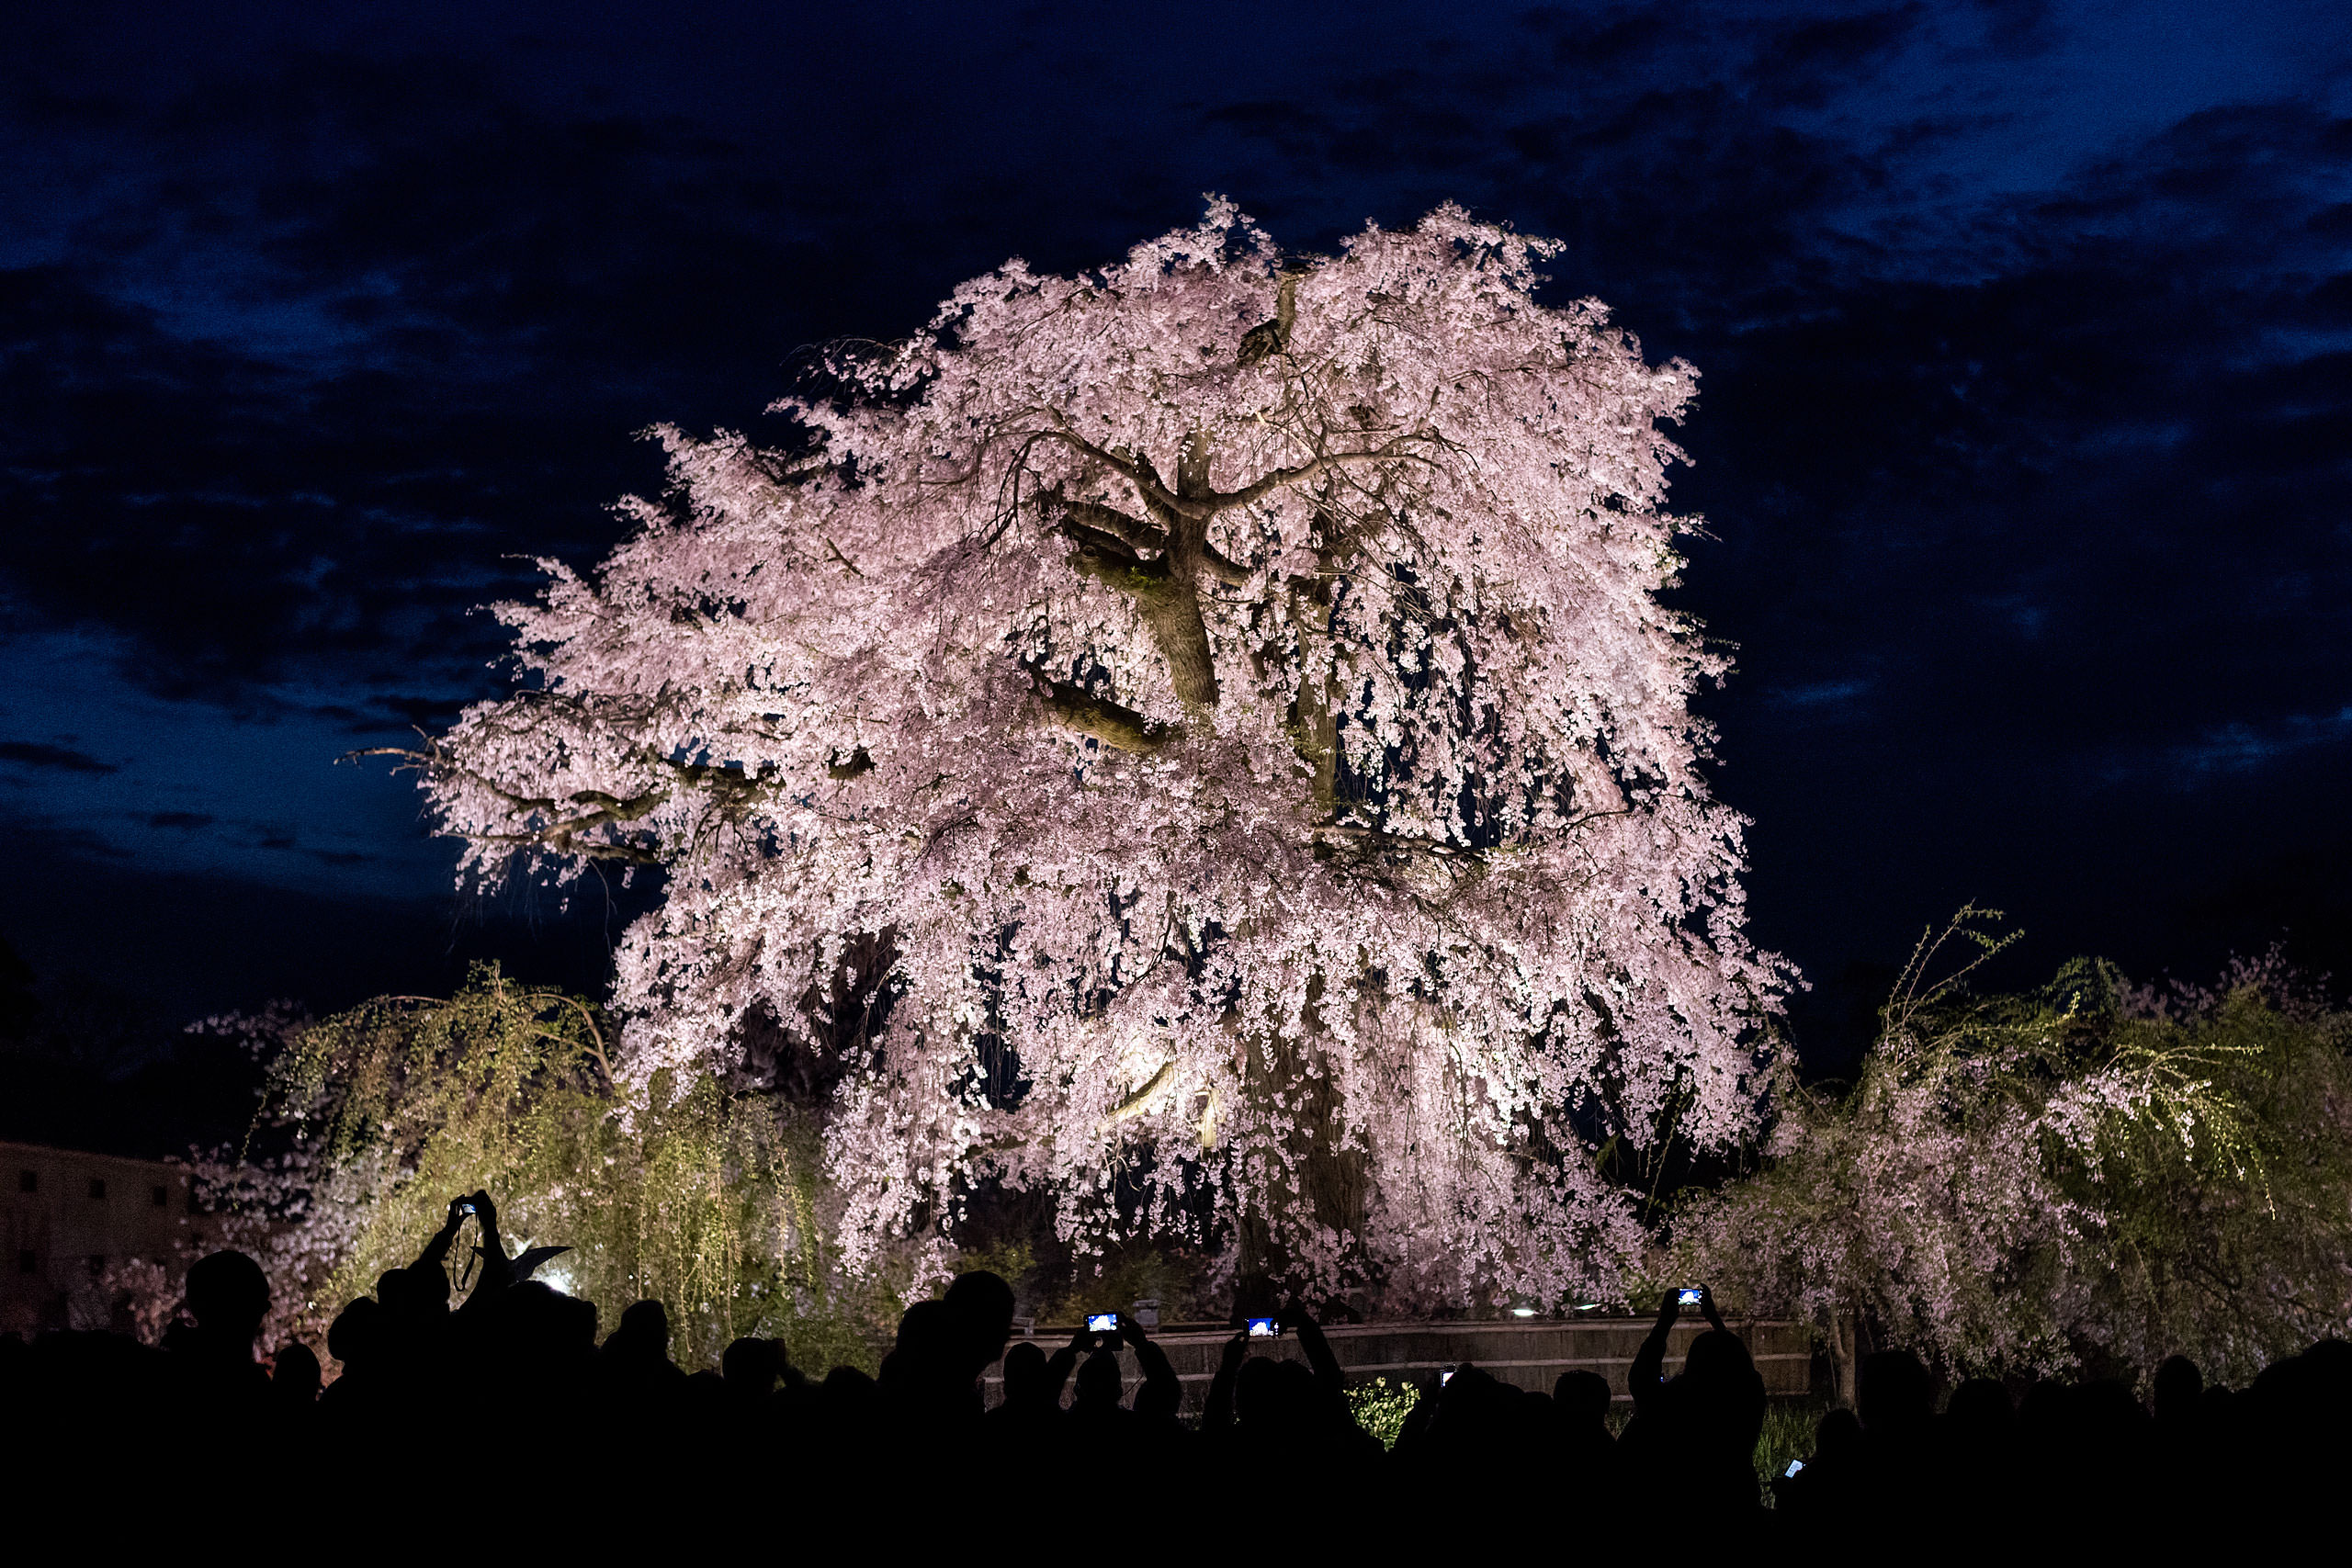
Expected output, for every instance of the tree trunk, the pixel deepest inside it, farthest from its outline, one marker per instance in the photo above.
(1173, 611)
(1328, 1184)
(1845, 1355)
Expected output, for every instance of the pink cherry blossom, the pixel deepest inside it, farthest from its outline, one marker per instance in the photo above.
(1237, 686)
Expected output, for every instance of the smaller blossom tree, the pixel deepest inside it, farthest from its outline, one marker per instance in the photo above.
(703, 1199)
(2017, 1182)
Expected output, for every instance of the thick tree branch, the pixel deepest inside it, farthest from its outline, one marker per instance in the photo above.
(1133, 532)
(1122, 728)
(1138, 470)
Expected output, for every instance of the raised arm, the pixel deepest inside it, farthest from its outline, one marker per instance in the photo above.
(1059, 1364)
(1330, 1383)
(497, 1268)
(1159, 1378)
(1648, 1375)
(1218, 1417)
(437, 1251)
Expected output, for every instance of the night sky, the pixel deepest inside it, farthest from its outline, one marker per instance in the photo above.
(2023, 434)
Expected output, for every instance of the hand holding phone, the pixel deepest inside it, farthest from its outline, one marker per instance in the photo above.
(1102, 1322)
(1692, 1295)
(1264, 1329)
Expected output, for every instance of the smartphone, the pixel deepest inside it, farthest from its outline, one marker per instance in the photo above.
(1794, 1465)
(1265, 1328)
(1691, 1294)
(1446, 1375)
(1102, 1322)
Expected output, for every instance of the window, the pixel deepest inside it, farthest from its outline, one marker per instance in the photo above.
(163, 1196)
(97, 1187)
(29, 1181)
(28, 1261)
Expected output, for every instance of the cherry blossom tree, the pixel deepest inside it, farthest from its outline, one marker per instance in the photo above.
(2014, 1180)
(1201, 736)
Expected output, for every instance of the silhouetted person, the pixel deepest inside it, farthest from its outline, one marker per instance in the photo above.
(981, 1305)
(1582, 1445)
(1098, 1420)
(227, 1297)
(645, 1387)
(1692, 1442)
(750, 1369)
(294, 1377)
(637, 1354)
(1895, 1397)
(1027, 1423)
(1826, 1494)
(1973, 1466)
(2179, 1393)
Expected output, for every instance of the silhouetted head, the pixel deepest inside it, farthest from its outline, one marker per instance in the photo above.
(925, 1328)
(2180, 1388)
(1718, 1357)
(750, 1365)
(1838, 1436)
(294, 1372)
(357, 1333)
(1025, 1374)
(1581, 1397)
(643, 1334)
(1895, 1397)
(846, 1398)
(981, 1306)
(228, 1296)
(1098, 1381)
(1158, 1401)
(409, 1294)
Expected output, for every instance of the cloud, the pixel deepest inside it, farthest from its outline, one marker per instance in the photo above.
(32, 754)
(2036, 410)
(1823, 693)
(2237, 747)
(182, 819)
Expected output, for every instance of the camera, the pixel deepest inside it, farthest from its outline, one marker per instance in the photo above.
(1265, 1328)
(1102, 1322)
(1691, 1295)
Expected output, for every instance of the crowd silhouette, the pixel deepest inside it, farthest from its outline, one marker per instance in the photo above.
(514, 1393)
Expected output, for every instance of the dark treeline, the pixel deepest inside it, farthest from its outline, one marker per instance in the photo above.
(513, 1398)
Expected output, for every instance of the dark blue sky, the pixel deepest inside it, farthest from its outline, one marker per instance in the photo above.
(2024, 432)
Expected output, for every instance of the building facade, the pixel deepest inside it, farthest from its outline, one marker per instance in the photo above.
(71, 1224)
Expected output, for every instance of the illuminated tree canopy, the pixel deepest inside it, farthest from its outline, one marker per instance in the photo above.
(1214, 719)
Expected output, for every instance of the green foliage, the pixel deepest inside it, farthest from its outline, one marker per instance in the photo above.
(706, 1201)
(1787, 1434)
(1379, 1407)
